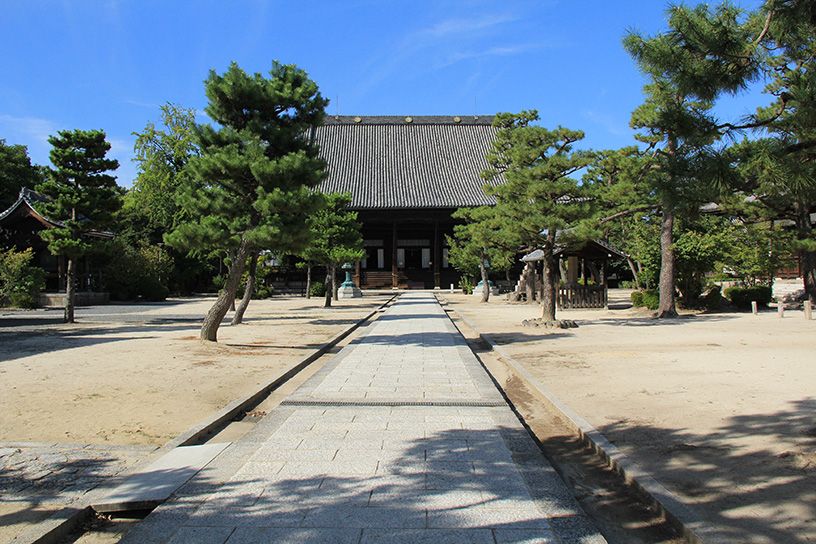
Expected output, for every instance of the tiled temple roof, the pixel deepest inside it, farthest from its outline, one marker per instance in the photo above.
(393, 162)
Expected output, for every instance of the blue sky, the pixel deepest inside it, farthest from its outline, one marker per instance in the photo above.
(110, 63)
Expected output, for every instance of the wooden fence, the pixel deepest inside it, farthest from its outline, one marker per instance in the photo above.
(580, 296)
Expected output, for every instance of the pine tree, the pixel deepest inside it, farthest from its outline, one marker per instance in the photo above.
(82, 196)
(704, 54)
(251, 187)
(540, 200)
(335, 238)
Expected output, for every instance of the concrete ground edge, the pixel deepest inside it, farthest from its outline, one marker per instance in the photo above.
(62, 522)
(687, 520)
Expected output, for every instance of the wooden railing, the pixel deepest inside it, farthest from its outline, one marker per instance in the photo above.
(582, 296)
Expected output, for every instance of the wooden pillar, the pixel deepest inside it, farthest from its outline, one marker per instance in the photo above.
(394, 269)
(358, 277)
(437, 257)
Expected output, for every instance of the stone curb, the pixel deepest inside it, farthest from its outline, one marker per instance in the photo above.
(693, 527)
(61, 523)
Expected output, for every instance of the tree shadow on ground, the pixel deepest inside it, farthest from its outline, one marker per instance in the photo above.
(53, 479)
(17, 344)
(454, 485)
(626, 321)
(763, 494)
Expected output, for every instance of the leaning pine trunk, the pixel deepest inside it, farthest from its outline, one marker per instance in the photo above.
(209, 330)
(549, 278)
(668, 275)
(70, 295)
(249, 290)
(634, 271)
(329, 288)
(485, 284)
(309, 281)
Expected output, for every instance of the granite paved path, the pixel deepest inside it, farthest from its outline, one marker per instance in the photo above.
(401, 438)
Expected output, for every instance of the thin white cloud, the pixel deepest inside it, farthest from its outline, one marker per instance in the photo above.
(457, 27)
(33, 132)
(32, 128)
(608, 122)
(499, 51)
(438, 45)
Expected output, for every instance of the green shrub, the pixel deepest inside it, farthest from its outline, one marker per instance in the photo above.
(741, 297)
(466, 284)
(263, 291)
(139, 272)
(713, 300)
(20, 282)
(317, 289)
(649, 299)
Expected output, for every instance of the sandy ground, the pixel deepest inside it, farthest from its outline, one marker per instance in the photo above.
(721, 408)
(81, 404)
(144, 379)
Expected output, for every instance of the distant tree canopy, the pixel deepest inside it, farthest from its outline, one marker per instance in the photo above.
(335, 238)
(16, 171)
(484, 240)
(161, 155)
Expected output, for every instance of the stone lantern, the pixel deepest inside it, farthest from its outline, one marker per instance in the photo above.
(347, 288)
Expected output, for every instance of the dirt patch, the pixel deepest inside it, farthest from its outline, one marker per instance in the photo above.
(716, 407)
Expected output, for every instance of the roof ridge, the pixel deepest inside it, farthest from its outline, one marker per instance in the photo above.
(409, 120)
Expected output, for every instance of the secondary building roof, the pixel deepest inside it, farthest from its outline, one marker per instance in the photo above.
(24, 208)
(396, 162)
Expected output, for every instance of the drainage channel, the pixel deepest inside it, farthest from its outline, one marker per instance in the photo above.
(621, 514)
(107, 527)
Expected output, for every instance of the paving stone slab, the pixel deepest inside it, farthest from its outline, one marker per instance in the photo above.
(156, 482)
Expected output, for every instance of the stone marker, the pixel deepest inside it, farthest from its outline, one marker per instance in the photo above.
(780, 308)
(808, 310)
(156, 482)
(754, 307)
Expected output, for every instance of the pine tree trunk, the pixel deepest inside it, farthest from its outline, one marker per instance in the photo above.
(485, 282)
(209, 329)
(308, 281)
(328, 302)
(334, 283)
(70, 290)
(529, 283)
(668, 274)
(808, 258)
(549, 279)
(249, 290)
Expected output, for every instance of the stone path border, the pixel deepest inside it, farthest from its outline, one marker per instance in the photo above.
(689, 522)
(63, 522)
